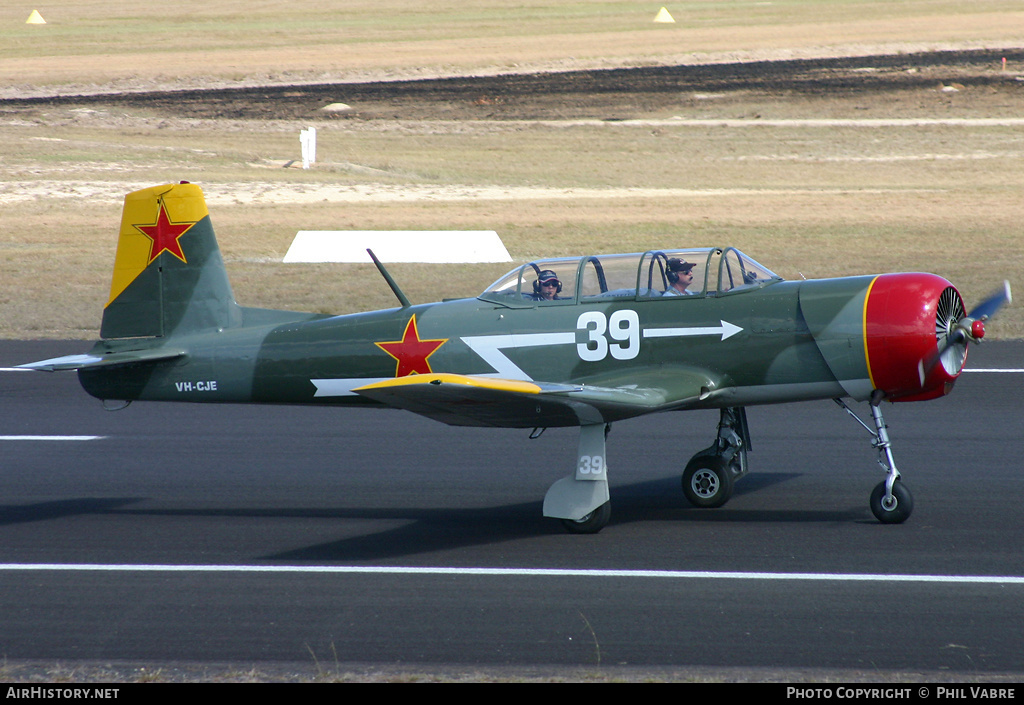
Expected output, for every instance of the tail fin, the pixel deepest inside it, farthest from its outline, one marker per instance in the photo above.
(169, 277)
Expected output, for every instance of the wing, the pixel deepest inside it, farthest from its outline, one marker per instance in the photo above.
(462, 400)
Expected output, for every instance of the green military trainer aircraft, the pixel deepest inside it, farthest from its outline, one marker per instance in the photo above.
(582, 341)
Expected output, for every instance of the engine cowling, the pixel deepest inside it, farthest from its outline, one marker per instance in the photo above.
(910, 321)
(899, 334)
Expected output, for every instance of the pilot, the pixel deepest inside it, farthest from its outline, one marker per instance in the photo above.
(547, 287)
(679, 273)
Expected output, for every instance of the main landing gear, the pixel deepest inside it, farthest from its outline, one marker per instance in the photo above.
(581, 500)
(711, 474)
(891, 502)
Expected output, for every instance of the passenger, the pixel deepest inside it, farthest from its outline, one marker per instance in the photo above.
(680, 276)
(547, 287)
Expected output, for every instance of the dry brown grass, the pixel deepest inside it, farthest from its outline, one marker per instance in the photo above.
(805, 200)
(95, 41)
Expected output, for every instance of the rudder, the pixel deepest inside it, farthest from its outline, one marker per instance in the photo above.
(169, 277)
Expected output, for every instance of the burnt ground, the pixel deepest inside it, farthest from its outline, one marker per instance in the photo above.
(608, 94)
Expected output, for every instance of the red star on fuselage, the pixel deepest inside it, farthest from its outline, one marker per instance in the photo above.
(165, 235)
(411, 352)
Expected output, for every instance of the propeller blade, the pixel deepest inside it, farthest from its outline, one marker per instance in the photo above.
(988, 307)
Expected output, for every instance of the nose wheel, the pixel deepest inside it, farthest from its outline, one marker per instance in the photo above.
(891, 505)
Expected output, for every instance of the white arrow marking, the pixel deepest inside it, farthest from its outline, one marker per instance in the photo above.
(489, 347)
(342, 387)
(726, 330)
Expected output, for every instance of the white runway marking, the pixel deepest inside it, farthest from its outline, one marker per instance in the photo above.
(50, 438)
(1008, 371)
(521, 572)
(789, 122)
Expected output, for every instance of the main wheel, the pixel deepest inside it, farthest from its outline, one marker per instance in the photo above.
(895, 509)
(591, 523)
(708, 481)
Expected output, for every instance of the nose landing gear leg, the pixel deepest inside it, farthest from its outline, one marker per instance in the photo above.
(891, 502)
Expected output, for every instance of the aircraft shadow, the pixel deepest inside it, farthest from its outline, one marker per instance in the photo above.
(61, 508)
(421, 531)
(429, 531)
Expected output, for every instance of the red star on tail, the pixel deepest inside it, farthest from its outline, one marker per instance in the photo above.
(411, 352)
(165, 235)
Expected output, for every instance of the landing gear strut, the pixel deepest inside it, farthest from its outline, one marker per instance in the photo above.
(891, 502)
(711, 474)
(581, 500)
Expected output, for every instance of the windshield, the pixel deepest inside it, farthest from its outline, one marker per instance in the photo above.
(738, 271)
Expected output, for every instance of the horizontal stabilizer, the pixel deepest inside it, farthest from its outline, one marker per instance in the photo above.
(91, 361)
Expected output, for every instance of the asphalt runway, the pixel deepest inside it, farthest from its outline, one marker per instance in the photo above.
(258, 535)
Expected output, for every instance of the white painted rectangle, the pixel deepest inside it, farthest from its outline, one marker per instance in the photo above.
(50, 438)
(429, 246)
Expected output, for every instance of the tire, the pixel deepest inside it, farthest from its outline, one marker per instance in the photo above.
(903, 503)
(708, 482)
(591, 523)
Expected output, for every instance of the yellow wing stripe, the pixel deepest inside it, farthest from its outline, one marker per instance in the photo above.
(504, 385)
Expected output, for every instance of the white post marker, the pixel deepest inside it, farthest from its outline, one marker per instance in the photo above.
(307, 138)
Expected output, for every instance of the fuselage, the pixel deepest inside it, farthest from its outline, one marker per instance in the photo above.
(784, 341)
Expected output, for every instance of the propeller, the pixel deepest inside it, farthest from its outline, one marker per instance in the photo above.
(954, 330)
(993, 303)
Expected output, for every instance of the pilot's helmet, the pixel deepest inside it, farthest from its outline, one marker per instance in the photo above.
(676, 265)
(547, 277)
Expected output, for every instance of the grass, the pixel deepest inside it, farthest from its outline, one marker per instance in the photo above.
(90, 41)
(804, 200)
